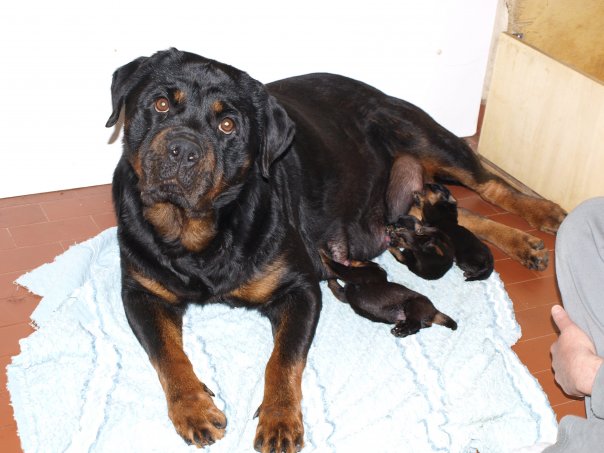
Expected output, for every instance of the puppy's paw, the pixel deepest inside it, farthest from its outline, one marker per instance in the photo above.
(280, 429)
(405, 328)
(197, 419)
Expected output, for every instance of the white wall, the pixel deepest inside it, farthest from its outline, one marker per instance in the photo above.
(58, 57)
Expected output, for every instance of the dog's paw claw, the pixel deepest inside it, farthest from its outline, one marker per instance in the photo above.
(279, 430)
(538, 260)
(197, 419)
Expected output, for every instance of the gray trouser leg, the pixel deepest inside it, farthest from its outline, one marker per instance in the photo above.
(580, 269)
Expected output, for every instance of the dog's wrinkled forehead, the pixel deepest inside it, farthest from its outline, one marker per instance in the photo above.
(213, 88)
(173, 69)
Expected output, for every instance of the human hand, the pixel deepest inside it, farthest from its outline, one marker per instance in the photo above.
(574, 358)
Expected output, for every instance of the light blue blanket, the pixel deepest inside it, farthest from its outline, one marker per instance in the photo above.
(82, 383)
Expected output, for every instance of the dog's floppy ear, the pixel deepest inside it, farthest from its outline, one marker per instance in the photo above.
(120, 86)
(279, 132)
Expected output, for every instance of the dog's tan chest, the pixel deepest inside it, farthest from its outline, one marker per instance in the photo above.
(261, 286)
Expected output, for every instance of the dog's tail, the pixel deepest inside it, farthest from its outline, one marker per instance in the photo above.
(444, 320)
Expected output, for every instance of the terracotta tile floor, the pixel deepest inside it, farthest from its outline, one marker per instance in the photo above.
(34, 229)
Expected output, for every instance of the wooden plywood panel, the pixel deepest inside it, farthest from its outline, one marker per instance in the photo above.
(544, 124)
(568, 30)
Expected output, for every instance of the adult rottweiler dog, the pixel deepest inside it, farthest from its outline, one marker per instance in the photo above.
(227, 191)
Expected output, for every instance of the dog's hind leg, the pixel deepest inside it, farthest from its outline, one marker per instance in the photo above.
(540, 213)
(521, 246)
(420, 313)
(404, 128)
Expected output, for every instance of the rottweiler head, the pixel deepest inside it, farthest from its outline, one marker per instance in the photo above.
(195, 130)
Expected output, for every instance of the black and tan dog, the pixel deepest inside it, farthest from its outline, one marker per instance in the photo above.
(370, 294)
(439, 209)
(426, 250)
(226, 191)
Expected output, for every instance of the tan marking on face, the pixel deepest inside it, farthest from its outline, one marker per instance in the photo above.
(154, 287)
(179, 96)
(431, 197)
(197, 233)
(166, 218)
(158, 143)
(416, 211)
(397, 254)
(261, 286)
(137, 164)
(219, 186)
(208, 163)
(217, 107)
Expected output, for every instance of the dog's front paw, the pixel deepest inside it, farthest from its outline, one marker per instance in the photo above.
(197, 419)
(280, 429)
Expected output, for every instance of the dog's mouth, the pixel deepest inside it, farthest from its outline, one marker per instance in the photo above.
(169, 191)
(180, 168)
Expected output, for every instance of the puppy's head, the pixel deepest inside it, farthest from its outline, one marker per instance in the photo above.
(437, 193)
(438, 204)
(195, 130)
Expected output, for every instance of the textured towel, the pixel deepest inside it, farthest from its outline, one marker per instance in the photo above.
(82, 383)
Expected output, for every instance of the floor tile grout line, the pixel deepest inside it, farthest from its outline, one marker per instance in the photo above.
(13, 324)
(535, 338)
(570, 401)
(44, 212)
(99, 228)
(521, 340)
(517, 282)
(537, 304)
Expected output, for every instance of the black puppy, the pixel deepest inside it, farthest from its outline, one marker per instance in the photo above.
(439, 209)
(372, 296)
(427, 251)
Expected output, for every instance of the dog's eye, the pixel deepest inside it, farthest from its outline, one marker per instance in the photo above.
(162, 105)
(227, 126)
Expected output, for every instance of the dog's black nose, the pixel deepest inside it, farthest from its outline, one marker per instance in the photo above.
(184, 151)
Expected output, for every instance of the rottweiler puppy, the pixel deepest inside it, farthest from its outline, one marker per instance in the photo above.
(439, 209)
(426, 251)
(372, 296)
(226, 191)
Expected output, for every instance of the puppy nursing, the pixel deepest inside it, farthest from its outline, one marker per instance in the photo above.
(429, 247)
(426, 251)
(372, 296)
(439, 209)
